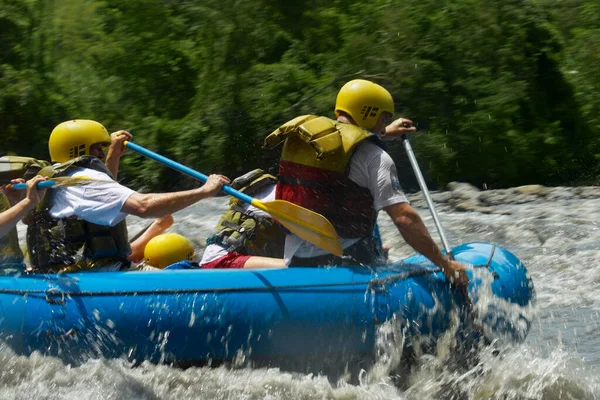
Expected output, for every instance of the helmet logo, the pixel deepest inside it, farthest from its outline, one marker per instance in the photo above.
(77, 151)
(369, 111)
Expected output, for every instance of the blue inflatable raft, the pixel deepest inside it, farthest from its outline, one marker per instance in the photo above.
(195, 316)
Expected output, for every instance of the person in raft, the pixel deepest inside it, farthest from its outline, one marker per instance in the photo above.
(158, 226)
(11, 256)
(83, 227)
(168, 251)
(17, 169)
(246, 237)
(12, 169)
(339, 169)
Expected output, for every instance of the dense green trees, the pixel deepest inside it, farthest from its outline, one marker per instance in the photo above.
(504, 92)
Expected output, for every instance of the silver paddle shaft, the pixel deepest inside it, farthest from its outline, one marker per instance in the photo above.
(423, 185)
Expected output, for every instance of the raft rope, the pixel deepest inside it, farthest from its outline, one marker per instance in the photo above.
(377, 284)
(373, 283)
(488, 263)
(381, 282)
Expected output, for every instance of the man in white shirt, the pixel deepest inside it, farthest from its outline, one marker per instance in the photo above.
(341, 171)
(82, 227)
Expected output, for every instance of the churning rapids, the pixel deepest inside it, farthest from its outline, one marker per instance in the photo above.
(554, 231)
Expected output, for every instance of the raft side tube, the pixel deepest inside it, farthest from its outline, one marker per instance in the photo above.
(199, 315)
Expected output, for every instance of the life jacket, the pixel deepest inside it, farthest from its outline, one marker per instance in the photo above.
(72, 244)
(13, 167)
(313, 172)
(244, 232)
(11, 256)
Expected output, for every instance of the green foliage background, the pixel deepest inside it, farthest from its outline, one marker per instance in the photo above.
(505, 92)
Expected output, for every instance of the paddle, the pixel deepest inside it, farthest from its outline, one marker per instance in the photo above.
(463, 290)
(423, 185)
(41, 185)
(59, 182)
(304, 223)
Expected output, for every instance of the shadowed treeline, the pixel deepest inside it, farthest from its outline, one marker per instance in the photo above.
(504, 92)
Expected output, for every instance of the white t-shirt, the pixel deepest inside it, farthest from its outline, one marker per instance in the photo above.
(214, 251)
(370, 167)
(99, 201)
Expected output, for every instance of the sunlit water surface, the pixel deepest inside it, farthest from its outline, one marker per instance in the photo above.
(558, 241)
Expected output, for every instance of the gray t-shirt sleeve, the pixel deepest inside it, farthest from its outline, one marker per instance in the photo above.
(372, 167)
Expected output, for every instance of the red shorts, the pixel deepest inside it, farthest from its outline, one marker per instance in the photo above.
(230, 260)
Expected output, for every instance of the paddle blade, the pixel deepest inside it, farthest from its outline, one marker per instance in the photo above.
(76, 180)
(304, 223)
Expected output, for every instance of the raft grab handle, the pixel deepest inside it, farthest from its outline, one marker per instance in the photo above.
(52, 293)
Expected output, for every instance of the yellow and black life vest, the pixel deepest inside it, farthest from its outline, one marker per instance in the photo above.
(13, 167)
(11, 256)
(71, 244)
(313, 172)
(241, 230)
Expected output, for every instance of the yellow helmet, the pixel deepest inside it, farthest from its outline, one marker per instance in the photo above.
(166, 249)
(72, 139)
(364, 101)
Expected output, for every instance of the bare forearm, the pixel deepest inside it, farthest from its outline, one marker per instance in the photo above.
(115, 151)
(417, 236)
(112, 163)
(156, 205)
(413, 230)
(10, 217)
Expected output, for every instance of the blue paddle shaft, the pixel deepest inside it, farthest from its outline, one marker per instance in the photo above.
(41, 185)
(186, 170)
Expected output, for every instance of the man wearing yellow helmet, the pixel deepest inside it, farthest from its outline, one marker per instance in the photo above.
(82, 227)
(340, 169)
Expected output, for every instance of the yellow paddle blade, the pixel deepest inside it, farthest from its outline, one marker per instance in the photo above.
(76, 180)
(304, 223)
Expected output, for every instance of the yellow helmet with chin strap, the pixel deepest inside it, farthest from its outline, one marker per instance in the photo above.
(364, 101)
(72, 139)
(166, 249)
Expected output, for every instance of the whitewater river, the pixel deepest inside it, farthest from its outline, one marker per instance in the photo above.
(556, 233)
